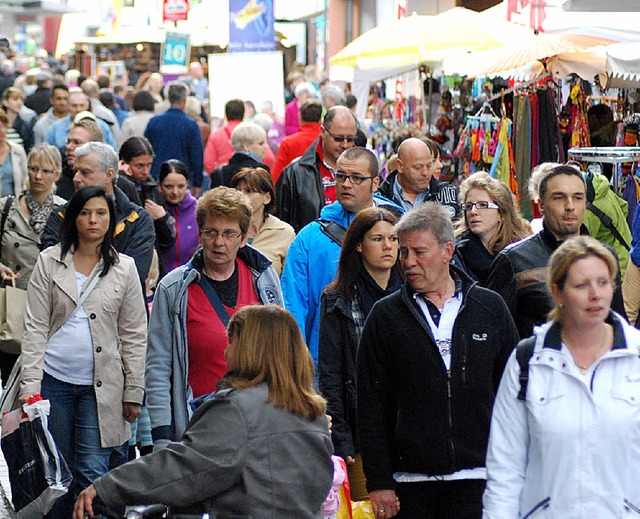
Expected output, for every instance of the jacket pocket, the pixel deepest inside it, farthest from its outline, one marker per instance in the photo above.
(539, 510)
(112, 296)
(627, 391)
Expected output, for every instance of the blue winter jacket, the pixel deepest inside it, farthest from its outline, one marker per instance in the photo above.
(312, 263)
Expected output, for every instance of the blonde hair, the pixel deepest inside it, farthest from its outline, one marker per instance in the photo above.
(565, 256)
(48, 156)
(271, 350)
(512, 227)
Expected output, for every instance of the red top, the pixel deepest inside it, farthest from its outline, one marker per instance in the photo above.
(206, 334)
(218, 150)
(328, 177)
(294, 146)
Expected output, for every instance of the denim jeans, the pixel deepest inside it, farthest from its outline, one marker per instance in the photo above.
(73, 423)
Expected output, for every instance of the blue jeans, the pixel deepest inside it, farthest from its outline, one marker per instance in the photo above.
(73, 422)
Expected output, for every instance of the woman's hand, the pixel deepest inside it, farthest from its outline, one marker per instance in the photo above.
(384, 503)
(131, 411)
(156, 211)
(349, 460)
(123, 167)
(84, 503)
(24, 399)
(7, 274)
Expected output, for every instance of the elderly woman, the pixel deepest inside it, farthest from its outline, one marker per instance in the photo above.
(260, 448)
(250, 144)
(565, 430)
(13, 162)
(192, 307)
(85, 340)
(20, 125)
(491, 221)
(25, 218)
(268, 234)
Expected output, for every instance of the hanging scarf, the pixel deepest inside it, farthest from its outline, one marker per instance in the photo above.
(39, 212)
(370, 292)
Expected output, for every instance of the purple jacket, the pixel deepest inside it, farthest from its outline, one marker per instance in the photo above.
(187, 240)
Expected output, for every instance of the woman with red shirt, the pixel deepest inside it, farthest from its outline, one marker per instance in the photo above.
(192, 306)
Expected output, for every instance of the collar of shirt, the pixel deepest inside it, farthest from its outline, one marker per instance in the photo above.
(406, 204)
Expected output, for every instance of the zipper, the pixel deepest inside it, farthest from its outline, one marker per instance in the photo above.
(177, 242)
(542, 505)
(450, 417)
(631, 507)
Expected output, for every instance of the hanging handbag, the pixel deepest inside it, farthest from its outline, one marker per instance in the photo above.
(12, 303)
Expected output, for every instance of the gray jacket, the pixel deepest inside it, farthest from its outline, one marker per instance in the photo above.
(241, 455)
(167, 350)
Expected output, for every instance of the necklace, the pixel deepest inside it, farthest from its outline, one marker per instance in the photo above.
(595, 355)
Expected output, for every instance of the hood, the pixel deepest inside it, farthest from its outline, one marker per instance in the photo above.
(335, 213)
(188, 202)
(600, 185)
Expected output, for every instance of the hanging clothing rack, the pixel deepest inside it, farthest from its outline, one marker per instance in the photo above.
(519, 87)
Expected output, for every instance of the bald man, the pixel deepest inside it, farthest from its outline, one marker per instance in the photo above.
(416, 179)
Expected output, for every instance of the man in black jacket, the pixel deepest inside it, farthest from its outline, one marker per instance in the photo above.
(429, 364)
(519, 272)
(308, 184)
(96, 163)
(414, 181)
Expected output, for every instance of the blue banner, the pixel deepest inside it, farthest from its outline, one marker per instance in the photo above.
(251, 26)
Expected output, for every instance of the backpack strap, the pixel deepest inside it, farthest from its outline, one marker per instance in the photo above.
(608, 223)
(524, 351)
(333, 230)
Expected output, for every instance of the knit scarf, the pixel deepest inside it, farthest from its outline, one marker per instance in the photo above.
(39, 212)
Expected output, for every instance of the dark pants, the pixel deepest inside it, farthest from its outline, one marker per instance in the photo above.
(460, 499)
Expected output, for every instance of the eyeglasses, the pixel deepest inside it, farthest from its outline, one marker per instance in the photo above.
(467, 206)
(35, 170)
(356, 180)
(212, 234)
(342, 138)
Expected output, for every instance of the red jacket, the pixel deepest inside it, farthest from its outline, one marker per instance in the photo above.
(293, 146)
(219, 150)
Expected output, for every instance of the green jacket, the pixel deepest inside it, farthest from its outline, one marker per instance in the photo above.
(616, 208)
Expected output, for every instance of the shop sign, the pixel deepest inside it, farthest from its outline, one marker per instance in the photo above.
(175, 53)
(251, 26)
(174, 10)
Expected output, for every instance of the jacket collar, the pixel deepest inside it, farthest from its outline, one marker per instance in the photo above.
(552, 242)
(254, 259)
(309, 157)
(553, 339)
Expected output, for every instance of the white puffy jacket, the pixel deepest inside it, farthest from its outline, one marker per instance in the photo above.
(572, 450)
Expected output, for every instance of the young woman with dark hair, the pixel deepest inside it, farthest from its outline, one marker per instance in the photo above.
(367, 272)
(85, 340)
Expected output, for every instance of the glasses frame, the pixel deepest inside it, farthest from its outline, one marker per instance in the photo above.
(37, 169)
(340, 138)
(227, 236)
(467, 206)
(341, 177)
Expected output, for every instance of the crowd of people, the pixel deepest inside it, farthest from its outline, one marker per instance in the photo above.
(187, 284)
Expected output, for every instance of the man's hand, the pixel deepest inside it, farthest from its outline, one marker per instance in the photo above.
(7, 274)
(131, 411)
(84, 503)
(156, 211)
(384, 503)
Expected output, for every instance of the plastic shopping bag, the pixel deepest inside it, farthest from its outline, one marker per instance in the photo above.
(362, 510)
(37, 471)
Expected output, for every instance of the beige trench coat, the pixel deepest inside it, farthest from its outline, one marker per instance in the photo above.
(118, 324)
(19, 165)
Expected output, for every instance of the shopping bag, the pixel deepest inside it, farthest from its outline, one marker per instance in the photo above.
(362, 510)
(12, 307)
(37, 471)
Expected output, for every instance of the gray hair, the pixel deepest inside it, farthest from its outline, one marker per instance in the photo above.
(428, 216)
(247, 133)
(537, 174)
(107, 156)
(264, 121)
(305, 88)
(334, 92)
(177, 92)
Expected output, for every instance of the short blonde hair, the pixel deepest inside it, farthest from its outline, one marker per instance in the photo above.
(47, 156)
(247, 133)
(565, 256)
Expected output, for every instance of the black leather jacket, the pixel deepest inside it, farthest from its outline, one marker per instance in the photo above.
(519, 275)
(299, 190)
